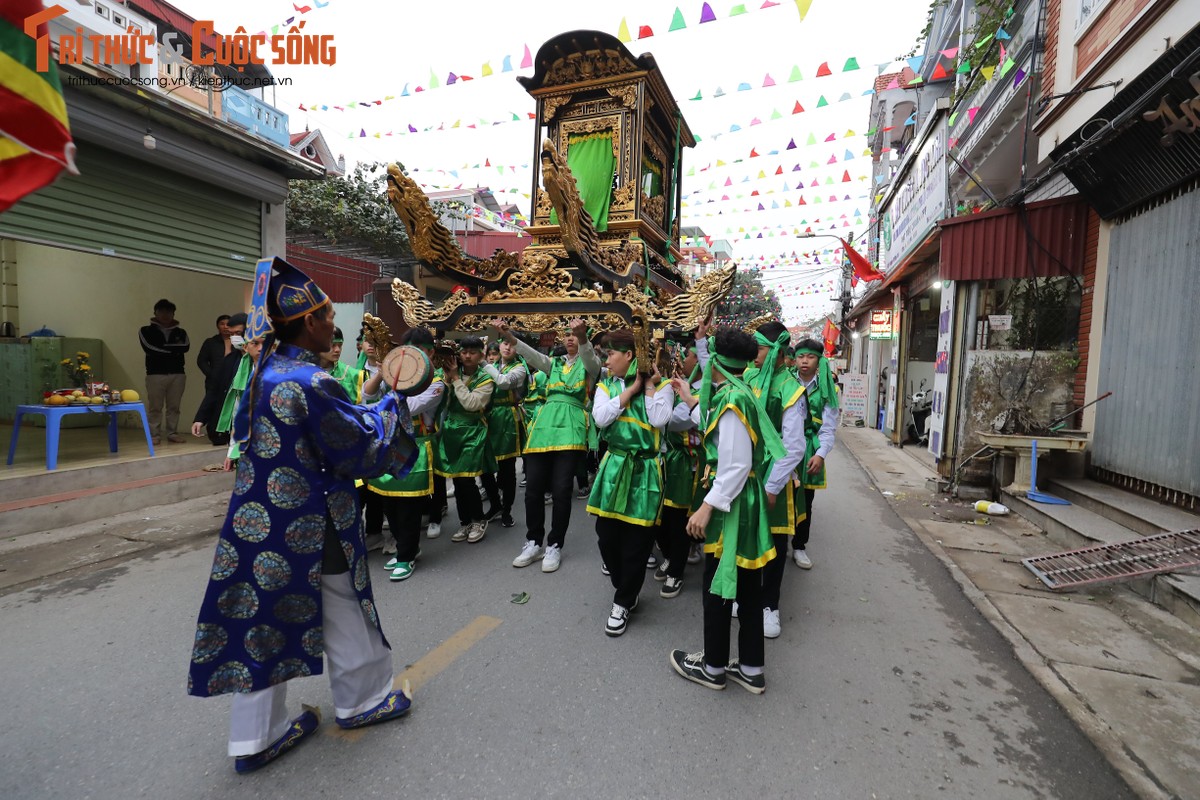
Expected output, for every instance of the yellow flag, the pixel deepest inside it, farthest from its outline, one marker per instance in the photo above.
(802, 6)
(487, 69)
(623, 32)
(987, 73)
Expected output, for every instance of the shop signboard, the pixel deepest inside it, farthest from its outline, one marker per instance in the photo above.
(917, 204)
(853, 401)
(881, 323)
(941, 373)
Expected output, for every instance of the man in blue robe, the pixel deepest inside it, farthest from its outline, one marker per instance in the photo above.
(289, 582)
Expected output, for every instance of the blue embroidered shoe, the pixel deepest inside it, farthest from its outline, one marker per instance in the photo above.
(396, 704)
(302, 726)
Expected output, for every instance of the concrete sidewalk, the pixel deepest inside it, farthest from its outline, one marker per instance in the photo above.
(1126, 671)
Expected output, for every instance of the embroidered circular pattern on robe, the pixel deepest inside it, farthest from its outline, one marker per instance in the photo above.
(343, 507)
(295, 609)
(244, 477)
(285, 366)
(313, 642)
(369, 607)
(314, 576)
(339, 432)
(287, 488)
(360, 574)
(251, 522)
(225, 561)
(264, 440)
(348, 550)
(272, 571)
(327, 387)
(232, 676)
(288, 403)
(263, 642)
(305, 534)
(306, 455)
(210, 641)
(289, 668)
(239, 601)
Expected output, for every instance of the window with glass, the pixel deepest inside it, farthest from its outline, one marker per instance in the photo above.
(1029, 313)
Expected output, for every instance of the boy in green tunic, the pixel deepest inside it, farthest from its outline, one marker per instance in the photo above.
(554, 441)
(820, 430)
(626, 496)
(783, 398)
(463, 453)
(732, 518)
(331, 362)
(505, 425)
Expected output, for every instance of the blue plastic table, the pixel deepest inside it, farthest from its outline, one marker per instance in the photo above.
(54, 415)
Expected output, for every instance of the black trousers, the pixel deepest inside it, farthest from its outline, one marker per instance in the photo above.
(501, 488)
(404, 518)
(215, 436)
(437, 501)
(372, 506)
(467, 501)
(718, 614)
(550, 472)
(624, 548)
(671, 536)
(581, 469)
(803, 527)
(772, 573)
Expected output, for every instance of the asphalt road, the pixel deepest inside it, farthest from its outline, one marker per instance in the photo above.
(886, 683)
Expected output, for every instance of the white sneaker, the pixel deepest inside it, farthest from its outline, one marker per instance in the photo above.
(476, 531)
(735, 609)
(529, 554)
(616, 620)
(461, 534)
(389, 546)
(374, 541)
(449, 488)
(771, 628)
(552, 558)
(802, 560)
(434, 530)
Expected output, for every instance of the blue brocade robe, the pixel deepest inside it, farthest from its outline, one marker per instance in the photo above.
(261, 620)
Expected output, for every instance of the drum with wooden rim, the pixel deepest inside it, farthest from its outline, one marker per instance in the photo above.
(407, 370)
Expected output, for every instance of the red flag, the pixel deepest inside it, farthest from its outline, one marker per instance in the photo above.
(862, 268)
(830, 334)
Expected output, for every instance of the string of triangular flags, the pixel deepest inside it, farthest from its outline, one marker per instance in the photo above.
(486, 70)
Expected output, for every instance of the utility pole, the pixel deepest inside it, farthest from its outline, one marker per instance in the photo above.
(847, 272)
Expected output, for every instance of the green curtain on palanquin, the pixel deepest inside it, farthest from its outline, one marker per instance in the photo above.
(652, 178)
(590, 158)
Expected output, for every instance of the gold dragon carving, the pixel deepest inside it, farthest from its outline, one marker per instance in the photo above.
(586, 66)
(541, 278)
(419, 312)
(431, 242)
(553, 104)
(753, 325)
(626, 94)
(687, 310)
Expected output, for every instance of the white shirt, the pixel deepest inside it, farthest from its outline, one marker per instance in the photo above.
(426, 403)
(735, 450)
(793, 438)
(514, 379)
(606, 410)
(829, 419)
(545, 363)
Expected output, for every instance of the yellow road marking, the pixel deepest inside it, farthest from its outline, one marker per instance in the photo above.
(432, 663)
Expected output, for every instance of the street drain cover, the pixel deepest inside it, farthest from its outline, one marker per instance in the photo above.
(1111, 563)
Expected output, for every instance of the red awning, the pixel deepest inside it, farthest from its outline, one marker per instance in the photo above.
(997, 244)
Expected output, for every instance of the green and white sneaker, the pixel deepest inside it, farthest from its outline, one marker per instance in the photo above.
(403, 571)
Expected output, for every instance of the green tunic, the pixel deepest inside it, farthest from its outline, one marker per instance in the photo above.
(629, 481)
(462, 445)
(348, 377)
(680, 464)
(535, 397)
(504, 419)
(562, 422)
(812, 427)
(746, 521)
(785, 391)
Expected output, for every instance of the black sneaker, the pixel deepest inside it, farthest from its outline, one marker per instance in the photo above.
(507, 521)
(671, 587)
(755, 684)
(691, 667)
(584, 493)
(660, 574)
(491, 513)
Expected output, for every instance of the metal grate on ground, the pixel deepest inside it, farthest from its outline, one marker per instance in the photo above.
(1111, 563)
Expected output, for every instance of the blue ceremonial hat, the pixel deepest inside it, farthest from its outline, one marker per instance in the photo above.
(282, 293)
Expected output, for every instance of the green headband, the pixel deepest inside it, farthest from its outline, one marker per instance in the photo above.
(814, 351)
(766, 373)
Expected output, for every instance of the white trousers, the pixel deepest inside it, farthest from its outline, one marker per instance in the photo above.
(358, 663)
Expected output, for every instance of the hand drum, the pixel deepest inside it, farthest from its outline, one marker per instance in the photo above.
(407, 370)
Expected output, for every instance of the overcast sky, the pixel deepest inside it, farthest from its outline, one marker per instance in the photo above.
(382, 48)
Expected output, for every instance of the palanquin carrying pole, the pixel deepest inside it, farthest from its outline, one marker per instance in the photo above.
(605, 222)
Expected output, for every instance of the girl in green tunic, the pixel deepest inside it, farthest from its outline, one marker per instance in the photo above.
(463, 452)
(554, 441)
(820, 430)
(506, 427)
(627, 494)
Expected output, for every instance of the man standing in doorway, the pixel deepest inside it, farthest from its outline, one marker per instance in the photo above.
(820, 430)
(165, 344)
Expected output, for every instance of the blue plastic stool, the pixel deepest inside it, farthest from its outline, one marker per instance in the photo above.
(54, 416)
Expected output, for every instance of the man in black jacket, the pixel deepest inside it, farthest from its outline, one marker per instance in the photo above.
(165, 344)
(212, 350)
(217, 383)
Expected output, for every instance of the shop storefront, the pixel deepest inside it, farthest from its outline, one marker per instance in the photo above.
(1141, 175)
